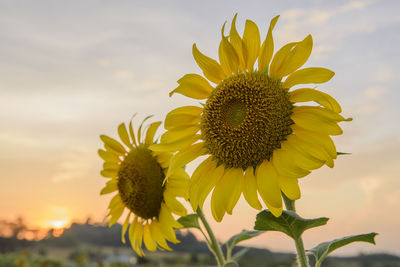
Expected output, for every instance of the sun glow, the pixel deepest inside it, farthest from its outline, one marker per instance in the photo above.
(58, 224)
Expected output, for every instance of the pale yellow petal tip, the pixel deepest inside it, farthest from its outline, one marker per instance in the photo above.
(223, 30)
(277, 212)
(178, 225)
(218, 218)
(194, 48)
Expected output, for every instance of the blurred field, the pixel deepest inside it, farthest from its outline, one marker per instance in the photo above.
(95, 245)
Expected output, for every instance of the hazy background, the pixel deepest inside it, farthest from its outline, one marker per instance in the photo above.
(72, 70)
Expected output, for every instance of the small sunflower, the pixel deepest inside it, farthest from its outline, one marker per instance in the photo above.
(138, 177)
(256, 138)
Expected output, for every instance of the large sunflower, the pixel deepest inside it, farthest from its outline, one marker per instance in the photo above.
(257, 139)
(138, 177)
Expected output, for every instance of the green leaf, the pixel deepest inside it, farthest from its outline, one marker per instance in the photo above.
(321, 251)
(238, 255)
(342, 153)
(244, 235)
(231, 264)
(289, 223)
(190, 221)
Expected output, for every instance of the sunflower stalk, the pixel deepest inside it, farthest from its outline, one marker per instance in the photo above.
(214, 244)
(302, 259)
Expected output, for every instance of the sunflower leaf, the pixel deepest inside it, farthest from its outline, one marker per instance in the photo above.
(190, 221)
(244, 235)
(322, 250)
(289, 223)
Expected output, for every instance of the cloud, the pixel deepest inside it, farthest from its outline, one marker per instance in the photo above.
(296, 20)
(123, 75)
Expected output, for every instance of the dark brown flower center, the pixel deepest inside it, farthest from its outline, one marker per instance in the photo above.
(140, 179)
(245, 119)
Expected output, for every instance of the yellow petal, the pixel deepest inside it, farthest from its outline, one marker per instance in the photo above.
(267, 48)
(233, 186)
(228, 56)
(305, 159)
(174, 205)
(285, 164)
(132, 133)
(139, 132)
(237, 43)
(251, 39)
(116, 213)
(116, 200)
(125, 227)
(250, 189)
(198, 175)
(112, 151)
(320, 139)
(110, 187)
(109, 173)
(179, 133)
(226, 193)
(179, 183)
(107, 156)
(316, 123)
(151, 132)
(158, 236)
(166, 217)
(194, 86)
(168, 232)
(110, 166)
(308, 94)
(275, 211)
(204, 187)
(175, 146)
(279, 59)
(217, 203)
(113, 144)
(148, 239)
(182, 116)
(136, 236)
(297, 57)
(211, 69)
(323, 112)
(290, 187)
(308, 75)
(123, 134)
(267, 183)
(185, 156)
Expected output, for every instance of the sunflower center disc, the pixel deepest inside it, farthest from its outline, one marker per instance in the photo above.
(245, 119)
(140, 180)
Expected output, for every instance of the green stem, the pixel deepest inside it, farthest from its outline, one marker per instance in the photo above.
(216, 248)
(301, 254)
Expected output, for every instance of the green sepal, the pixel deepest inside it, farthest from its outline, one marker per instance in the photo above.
(342, 153)
(243, 235)
(238, 255)
(190, 221)
(289, 223)
(231, 264)
(322, 250)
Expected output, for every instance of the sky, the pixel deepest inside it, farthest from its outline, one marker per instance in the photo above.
(72, 70)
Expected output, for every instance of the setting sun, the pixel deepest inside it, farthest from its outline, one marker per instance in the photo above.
(57, 224)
